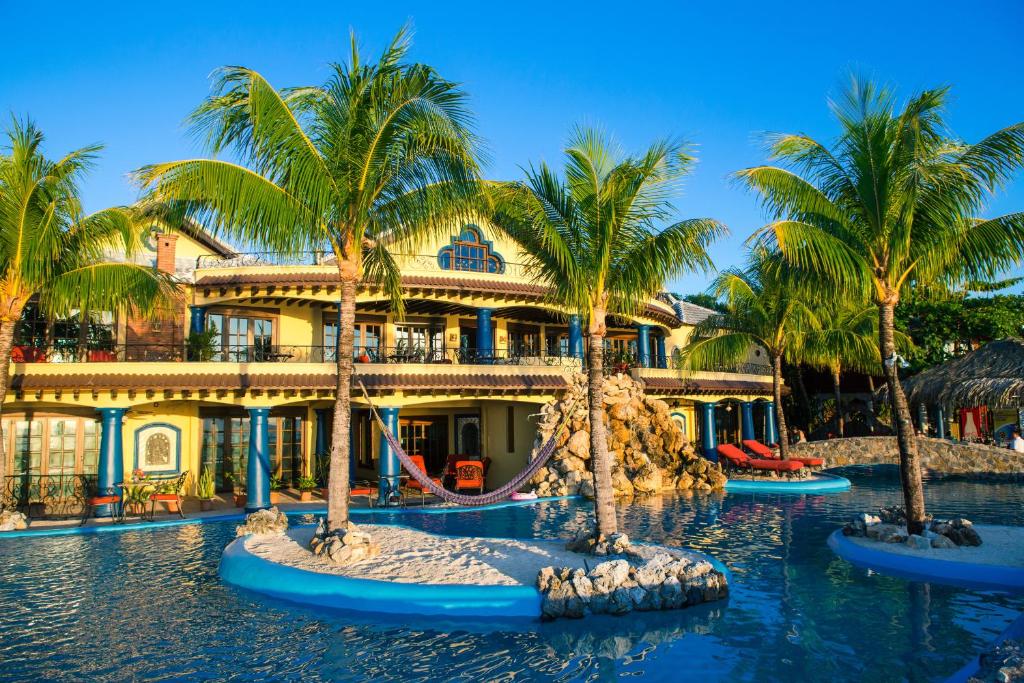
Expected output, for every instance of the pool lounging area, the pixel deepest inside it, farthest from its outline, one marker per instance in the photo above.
(786, 585)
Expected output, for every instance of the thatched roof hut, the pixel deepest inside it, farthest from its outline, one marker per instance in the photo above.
(992, 376)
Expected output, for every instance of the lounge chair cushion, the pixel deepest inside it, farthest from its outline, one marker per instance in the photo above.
(104, 500)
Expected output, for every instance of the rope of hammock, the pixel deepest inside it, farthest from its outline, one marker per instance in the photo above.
(545, 453)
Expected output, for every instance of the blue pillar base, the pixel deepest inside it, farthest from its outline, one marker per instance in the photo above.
(257, 493)
(110, 469)
(389, 467)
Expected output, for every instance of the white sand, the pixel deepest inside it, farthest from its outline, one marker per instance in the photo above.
(412, 556)
(1000, 545)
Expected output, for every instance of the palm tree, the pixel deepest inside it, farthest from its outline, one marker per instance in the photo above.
(595, 239)
(51, 249)
(381, 154)
(891, 203)
(766, 309)
(845, 340)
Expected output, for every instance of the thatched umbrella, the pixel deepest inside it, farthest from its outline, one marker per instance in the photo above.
(992, 376)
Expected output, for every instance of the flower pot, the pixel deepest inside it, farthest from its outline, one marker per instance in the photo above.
(323, 493)
(206, 504)
(365, 358)
(275, 497)
(305, 496)
(239, 500)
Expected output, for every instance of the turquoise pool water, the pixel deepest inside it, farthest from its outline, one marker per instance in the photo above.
(149, 605)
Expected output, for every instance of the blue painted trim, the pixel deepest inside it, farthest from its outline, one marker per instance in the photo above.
(643, 345)
(823, 482)
(197, 319)
(962, 574)
(257, 472)
(388, 466)
(661, 358)
(747, 420)
(1015, 631)
(110, 463)
(241, 568)
(446, 255)
(177, 455)
(576, 336)
(239, 516)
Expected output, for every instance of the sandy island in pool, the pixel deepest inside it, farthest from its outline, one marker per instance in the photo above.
(413, 556)
(1000, 545)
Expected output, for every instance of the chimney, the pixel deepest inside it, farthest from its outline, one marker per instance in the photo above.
(165, 247)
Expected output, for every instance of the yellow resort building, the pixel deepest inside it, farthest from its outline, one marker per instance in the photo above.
(477, 352)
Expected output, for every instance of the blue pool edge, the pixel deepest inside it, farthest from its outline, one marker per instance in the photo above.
(824, 482)
(240, 516)
(242, 569)
(1015, 631)
(970, 575)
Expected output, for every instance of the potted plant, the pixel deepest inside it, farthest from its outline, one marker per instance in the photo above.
(275, 490)
(205, 489)
(203, 345)
(306, 486)
(237, 489)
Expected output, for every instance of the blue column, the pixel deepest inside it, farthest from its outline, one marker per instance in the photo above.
(709, 441)
(771, 432)
(747, 413)
(922, 418)
(257, 490)
(643, 345)
(662, 357)
(388, 465)
(111, 457)
(575, 337)
(484, 332)
(940, 422)
(197, 321)
(352, 424)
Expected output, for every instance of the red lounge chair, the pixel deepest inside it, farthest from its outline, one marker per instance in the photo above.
(739, 460)
(469, 474)
(415, 485)
(762, 451)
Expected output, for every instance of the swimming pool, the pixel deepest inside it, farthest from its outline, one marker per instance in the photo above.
(149, 604)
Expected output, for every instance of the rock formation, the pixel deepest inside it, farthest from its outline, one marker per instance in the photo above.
(261, 522)
(890, 526)
(650, 453)
(13, 521)
(343, 547)
(640, 583)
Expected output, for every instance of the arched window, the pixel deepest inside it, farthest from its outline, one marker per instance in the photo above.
(470, 251)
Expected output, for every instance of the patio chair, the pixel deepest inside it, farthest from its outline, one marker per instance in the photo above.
(168, 492)
(415, 485)
(739, 460)
(469, 474)
(762, 451)
(94, 497)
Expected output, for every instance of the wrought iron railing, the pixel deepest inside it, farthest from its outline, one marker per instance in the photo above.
(97, 353)
(47, 495)
(409, 263)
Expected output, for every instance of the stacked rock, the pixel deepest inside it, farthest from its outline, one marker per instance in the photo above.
(662, 582)
(343, 547)
(890, 526)
(263, 522)
(650, 453)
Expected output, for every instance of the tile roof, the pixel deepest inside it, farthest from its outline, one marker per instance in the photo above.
(706, 386)
(242, 381)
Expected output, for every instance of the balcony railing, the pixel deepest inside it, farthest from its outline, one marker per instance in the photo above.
(409, 263)
(262, 353)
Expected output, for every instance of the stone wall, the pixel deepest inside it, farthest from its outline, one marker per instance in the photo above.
(938, 456)
(650, 454)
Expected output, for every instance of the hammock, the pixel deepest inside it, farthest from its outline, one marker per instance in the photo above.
(545, 453)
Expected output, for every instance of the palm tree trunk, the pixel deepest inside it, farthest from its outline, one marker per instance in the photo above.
(337, 481)
(780, 414)
(604, 495)
(6, 344)
(910, 463)
(840, 423)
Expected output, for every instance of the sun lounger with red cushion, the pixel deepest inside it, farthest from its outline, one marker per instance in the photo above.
(762, 451)
(738, 458)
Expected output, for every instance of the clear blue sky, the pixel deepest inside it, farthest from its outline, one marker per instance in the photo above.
(716, 73)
